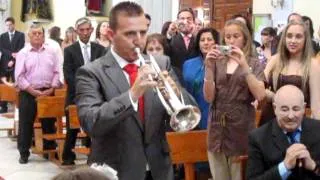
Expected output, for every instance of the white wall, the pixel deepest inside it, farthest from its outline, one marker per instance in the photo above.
(66, 12)
(309, 8)
(304, 7)
(159, 10)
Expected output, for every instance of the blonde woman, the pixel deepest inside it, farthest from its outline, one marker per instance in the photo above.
(69, 38)
(231, 83)
(294, 64)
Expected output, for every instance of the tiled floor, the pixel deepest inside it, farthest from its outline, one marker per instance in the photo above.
(37, 169)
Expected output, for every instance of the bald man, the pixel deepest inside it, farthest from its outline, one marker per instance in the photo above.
(289, 146)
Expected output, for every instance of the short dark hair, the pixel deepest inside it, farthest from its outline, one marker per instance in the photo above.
(190, 10)
(11, 19)
(165, 28)
(311, 30)
(147, 16)
(127, 8)
(293, 14)
(270, 31)
(55, 32)
(161, 39)
(215, 35)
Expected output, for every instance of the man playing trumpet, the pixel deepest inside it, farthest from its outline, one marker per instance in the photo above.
(126, 124)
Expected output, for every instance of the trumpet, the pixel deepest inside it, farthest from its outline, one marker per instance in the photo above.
(183, 117)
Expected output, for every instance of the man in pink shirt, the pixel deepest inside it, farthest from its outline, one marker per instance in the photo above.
(36, 74)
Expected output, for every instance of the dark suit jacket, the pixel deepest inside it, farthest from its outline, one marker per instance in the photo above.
(5, 58)
(268, 145)
(179, 53)
(119, 139)
(15, 45)
(72, 61)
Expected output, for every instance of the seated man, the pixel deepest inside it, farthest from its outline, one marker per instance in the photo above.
(289, 146)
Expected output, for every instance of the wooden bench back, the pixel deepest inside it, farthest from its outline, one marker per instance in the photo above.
(60, 92)
(188, 148)
(50, 106)
(74, 121)
(8, 93)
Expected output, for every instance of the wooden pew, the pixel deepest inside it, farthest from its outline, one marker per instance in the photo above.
(9, 94)
(49, 107)
(75, 124)
(60, 92)
(188, 148)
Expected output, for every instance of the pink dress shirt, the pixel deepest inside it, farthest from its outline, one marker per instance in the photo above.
(38, 68)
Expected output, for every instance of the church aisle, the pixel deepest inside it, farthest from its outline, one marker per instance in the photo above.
(37, 169)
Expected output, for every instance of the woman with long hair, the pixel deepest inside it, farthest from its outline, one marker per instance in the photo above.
(294, 64)
(233, 79)
(69, 38)
(102, 34)
(193, 70)
(269, 44)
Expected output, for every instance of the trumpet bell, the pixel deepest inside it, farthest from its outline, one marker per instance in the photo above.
(185, 119)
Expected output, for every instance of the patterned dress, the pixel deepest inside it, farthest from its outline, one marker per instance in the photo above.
(232, 115)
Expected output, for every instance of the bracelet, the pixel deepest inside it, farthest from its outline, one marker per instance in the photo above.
(206, 80)
(248, 72)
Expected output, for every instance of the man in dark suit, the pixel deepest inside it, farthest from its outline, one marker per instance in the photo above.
(5, 57)
(182, 44)
(11, 41)
(126, 125)
(289, 146)
(76, 55)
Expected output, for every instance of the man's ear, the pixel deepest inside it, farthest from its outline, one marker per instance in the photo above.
(110, 34)
(274, 106)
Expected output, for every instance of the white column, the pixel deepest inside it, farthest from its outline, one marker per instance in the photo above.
(5, 5)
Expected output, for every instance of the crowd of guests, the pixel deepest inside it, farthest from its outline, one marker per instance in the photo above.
(125, 120)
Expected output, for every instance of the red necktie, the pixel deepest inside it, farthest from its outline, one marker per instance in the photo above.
(132, 71)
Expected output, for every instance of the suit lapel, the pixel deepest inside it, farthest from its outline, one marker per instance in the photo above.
(79, 53)
(93, 50)
(308, 132)
(182, 44)
(191, 44)
(115, 74)
(279, 138)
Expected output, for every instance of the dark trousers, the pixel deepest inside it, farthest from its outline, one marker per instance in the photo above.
(70, 142)
(148, 176)
(3, 106)
(27, 113)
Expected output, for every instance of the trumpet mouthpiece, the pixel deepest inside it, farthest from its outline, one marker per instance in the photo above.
(137, 50)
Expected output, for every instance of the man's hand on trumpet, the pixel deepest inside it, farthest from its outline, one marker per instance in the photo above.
(143, 82)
